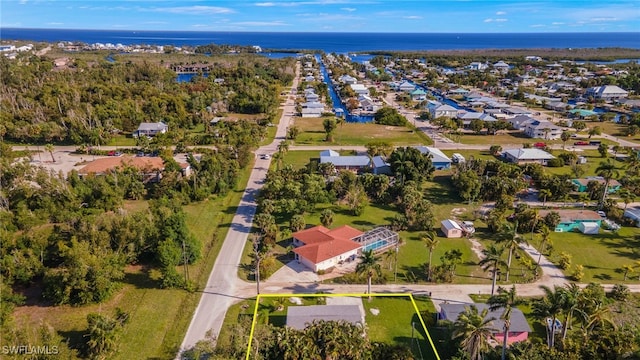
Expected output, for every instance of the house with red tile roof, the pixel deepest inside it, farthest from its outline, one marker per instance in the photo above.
(320, 248)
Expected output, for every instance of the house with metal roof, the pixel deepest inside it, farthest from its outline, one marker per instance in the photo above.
(519, 122)
(405, 86)
(299, 317)
(353, 162)
(607, 92)
(151, 129)
(380, 166)
(539, 129)
(308, 112)
(522, 156)
(418, 95)
(451, 229)
(581, 185)
(437, 110)
(439, 160)
(519, 329)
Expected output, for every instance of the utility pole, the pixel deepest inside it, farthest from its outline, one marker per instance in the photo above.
(256, 250)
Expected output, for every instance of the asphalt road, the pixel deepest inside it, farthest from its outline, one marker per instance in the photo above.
(223, 284)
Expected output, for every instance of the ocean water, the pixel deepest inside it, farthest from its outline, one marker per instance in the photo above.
(334, 42)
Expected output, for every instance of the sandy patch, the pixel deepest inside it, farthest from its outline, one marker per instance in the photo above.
(374, 312)
(295, 300)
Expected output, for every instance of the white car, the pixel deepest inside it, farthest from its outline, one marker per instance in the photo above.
(601, 213)
(265, 157)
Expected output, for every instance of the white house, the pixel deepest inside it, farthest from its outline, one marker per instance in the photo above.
(443, 110)
(360, 89)
(520, 122)
(521, 156)
(501, 66)
(319, 248)
(151, 129)
(543, 130)
(451, 229)
(607, 92)
(405, 86)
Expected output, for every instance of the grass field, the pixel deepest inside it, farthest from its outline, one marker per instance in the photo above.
(510, 138)
(158, 317)
(617, 130)
(601, 255)
(312, 133)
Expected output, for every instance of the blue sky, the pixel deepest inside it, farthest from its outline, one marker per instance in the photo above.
(327, 15)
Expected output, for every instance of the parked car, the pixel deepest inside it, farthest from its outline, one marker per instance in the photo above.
(265, 157)
(581, 143)
(601, 213)
(540, 145)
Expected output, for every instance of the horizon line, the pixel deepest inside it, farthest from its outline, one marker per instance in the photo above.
(329, 32)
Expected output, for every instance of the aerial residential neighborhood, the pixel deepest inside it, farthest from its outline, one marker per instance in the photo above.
(219, 201)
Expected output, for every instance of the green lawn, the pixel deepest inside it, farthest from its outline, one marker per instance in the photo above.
(312, 133)
(122, 140)
(617, 130)
(395, 320)
(601, 255)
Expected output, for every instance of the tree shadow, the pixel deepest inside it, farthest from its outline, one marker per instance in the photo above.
(75, 340)
(141, 279)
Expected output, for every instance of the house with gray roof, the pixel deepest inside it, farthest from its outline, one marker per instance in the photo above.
(151, 129)
(519, 329)
(353, 162)
(522, 156)
(380, 166)
(311, 112)
(520, 122)
(542, 130)
(437, 110)
(299, 317)
(607, 92)
(439, 160)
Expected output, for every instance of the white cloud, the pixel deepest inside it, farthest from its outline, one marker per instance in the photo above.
(501, 20)
(55, 23)
(413, 17)
(348, 9)
(557, 23)
(261, 23)
(155, 22)
(200, 25)
(538, 26)
(488, 20)
(193, 10)
(265, 4)
(501, 13)
(495, 20)
(22, 2)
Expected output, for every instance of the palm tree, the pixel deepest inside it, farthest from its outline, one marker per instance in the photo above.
(627, 269)
(513, 240)
(492, 260)
(507, 300)
(550, 306)
(431, 242)
(571, 305)
(565, 136)
(544, 233)
(544, 193)
(474, 329)
(627, 197)
(326, 217)
(368, 265)
(606, 169)
(49, 148)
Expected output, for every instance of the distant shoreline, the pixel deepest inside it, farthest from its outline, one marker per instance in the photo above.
(336, 42)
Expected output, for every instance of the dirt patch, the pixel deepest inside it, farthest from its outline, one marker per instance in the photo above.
(458, 211)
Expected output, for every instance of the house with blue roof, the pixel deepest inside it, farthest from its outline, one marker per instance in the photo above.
(381, 166)
(439, 160)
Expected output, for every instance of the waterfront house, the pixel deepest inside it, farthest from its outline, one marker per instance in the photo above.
(520, 122)
(523, 156)
(360, 89)
(571, 219)
(151, 129)
(418, 95)
(311, 112)
(479, 66)
(607, 92)
(467, 116)
(581, 185)
(502, 67)
(439, 160)
(519, 329)
(320, 248)
(556, 106)
(451, 229)
(347, 79)
(405, 86)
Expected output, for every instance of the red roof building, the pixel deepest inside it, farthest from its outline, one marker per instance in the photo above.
(320, 248)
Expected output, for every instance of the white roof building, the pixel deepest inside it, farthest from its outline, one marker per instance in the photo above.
(521, 156)
(607, 92)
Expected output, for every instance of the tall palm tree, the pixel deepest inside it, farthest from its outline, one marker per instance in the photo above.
(431, 242)
(550, 306)
(474, 329)
(506, 300)
(492, 260)
(627, 197)
(545, 233)
(571, 306)
(49, 148)
(513, 240)
(368, 265)
(606, 169)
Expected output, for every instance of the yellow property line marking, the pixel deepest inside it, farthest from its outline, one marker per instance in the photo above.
(410, 296)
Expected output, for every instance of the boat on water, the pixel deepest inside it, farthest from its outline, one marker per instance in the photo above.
(558, 327)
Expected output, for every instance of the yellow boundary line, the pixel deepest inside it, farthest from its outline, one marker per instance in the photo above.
(410, 296)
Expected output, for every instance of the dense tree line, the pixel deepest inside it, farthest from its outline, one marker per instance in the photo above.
(89, 102)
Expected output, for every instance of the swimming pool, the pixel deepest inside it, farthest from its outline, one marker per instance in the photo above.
(378, 244)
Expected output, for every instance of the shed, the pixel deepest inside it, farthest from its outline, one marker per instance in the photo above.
(451, 229)
(589, 228)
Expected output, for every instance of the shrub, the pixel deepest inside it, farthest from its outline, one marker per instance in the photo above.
(620, 292)
(557, 162)
(565, 261)
(578, 273)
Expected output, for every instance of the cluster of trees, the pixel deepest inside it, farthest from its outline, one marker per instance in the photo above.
(589, 329)
(89, 102)
(389, 116)
(319, 340)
